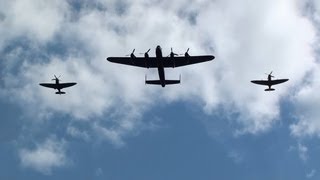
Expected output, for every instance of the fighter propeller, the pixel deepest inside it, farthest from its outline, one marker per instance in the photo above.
(270, 74)
(56, 78)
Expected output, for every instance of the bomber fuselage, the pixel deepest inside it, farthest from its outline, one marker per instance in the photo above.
(160, 66)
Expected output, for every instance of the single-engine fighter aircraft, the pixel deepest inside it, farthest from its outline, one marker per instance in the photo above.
(58, 85)
(160, 62)
(269, 82)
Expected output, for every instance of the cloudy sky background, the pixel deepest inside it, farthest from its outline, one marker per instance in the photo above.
(216, 124)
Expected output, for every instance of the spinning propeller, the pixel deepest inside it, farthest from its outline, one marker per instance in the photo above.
(146, 55)
(172, 54)
(56, 78)
(132, 54)
(270, 74)
(186, 54)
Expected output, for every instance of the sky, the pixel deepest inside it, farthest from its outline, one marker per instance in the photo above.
(214, 125)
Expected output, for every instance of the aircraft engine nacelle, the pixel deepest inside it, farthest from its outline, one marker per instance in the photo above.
(146, 61)
(146, 57)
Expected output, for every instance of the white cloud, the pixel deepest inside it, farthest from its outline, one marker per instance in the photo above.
(44, 157)
(306, 100)
(75, 132)
(307, 103)
(236, 157)
(302, 151)
(251, 39)
(119, 126)
(317, 9)
(248, 40)
(35, 19)
(98, 172)
(311, 174)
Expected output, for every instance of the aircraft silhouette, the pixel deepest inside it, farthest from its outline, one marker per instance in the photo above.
(58, 85)
(269, 82)
(160, 62)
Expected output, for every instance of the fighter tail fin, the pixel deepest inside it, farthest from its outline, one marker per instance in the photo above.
(269, 89)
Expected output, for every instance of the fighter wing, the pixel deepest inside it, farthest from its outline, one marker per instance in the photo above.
(65, 85)
(270, 83)
(278, 81)
(49, 85)
(137, 61)
(261, 82)
(57, 86)
(183, 61)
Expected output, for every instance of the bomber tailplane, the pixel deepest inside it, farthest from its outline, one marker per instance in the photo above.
(172, 81)
(60, 92)
(155, 82)
(158, 82)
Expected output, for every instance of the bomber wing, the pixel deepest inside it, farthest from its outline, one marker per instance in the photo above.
(185, 60)
(151, 62)
(137, 61)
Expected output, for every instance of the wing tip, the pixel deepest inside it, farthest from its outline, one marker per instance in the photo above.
(109, 59)
(285, 80)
